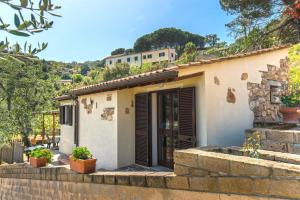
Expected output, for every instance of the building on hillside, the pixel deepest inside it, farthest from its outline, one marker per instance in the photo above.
(137, 59)
(65, 81)
(141, 119)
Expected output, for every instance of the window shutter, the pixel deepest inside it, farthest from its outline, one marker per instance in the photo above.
(61, 114)
(142, 130)
(70, 113)
(187, 118)
(76, 124)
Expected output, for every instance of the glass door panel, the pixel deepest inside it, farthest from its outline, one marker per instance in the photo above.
(168, 127)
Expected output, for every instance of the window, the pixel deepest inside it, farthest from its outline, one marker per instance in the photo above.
(119, 61)
(66, 115)
(128, 59)
(110, 62)
(149, 56)
(136, 58)
(172, 55)
(144, 56)
(162, 54)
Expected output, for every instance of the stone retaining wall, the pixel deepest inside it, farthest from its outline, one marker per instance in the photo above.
(277, 140)
(225, 173)
(199, 174)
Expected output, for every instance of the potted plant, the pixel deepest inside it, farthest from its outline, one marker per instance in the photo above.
(292, 100)
(40, 157)
(291, 108)
(82, 161)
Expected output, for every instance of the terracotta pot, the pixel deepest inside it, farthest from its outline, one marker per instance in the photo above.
(83, 166)
(290, 114)
(38, 162)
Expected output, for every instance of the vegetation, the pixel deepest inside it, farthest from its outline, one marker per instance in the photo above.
(81, 153)
(260, 24)
(168, 37)
(252, 145)
(190, 53)
(31, 17)
(293, 97)
(42, 153)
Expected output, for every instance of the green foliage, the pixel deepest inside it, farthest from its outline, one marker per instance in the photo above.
(293, 97)
(119, 71)
(35, 22)
(24, 91)
(168, 37)
(77, 78)
(252, 145)
(190, 53)
(118, 51)
(42, 153)
(248, 14)
(30, 17)
(81, 153)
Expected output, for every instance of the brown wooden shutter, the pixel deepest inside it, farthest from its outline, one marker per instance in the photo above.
(61, 114)
(76, 124)
(70, 113)
(143, 129)
(187, 118)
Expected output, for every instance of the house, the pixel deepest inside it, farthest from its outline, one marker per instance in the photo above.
(141, 119)
(137, 59)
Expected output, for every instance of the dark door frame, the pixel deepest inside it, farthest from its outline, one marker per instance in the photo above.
(159, 117)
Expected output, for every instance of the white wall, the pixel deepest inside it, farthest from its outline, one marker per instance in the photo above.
(126, 128)
(66, 143)
(100, 136)
(226, 122)
(123, 58)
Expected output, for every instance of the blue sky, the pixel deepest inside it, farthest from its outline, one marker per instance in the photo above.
(91, 29)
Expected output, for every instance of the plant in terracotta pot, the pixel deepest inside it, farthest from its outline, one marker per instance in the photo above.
(291, 102)
(291, 108)
(82, 161)
(40, 157)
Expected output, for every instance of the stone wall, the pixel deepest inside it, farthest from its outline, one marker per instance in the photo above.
(199, 174)
(259, 93)
(287, 141)
(225, 173)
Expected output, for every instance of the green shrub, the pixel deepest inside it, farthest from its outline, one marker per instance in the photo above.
(252, 145)
(292, 99)
(42, 153)
(81, 153)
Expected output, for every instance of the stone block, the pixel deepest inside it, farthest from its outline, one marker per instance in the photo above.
(75, 177)
(156, 180)
(87, 178)
(177, 182)
(181, 170)
(280, 136)
(109, 178)
(214, 164)
(274, 146)
(138, 180)
(198, 172)
(122, 179)
(262, 186)
(236, 185)
(242, 168)
(286, 170)
(297, 137)
(186, 158)
(209, 184)
(285, 188)
(98, 179)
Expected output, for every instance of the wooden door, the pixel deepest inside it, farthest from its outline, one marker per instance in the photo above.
(167, 126)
